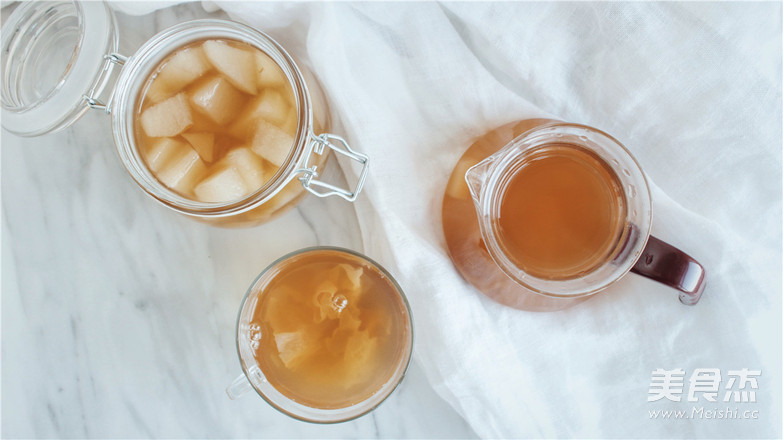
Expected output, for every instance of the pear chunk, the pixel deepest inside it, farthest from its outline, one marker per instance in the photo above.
(272, 143)
(218, 99)
(161, 151)
(291, 122)
(250, 167)
(269, 73)
(360, 350)
(168, 118)
(293, 347)
(203, 143)
(217, 122)
(182, 170)
(269, 105)
(238, 65)
(353, 275)
(223, 186)
(179, 71)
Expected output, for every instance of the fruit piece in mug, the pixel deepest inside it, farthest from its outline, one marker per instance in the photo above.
(327, 302)
(348, 324)
(360, 350)
(168, 118)
(238, 65)
(349, 276)
(292, 347)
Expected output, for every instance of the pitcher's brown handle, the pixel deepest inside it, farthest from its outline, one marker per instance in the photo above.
(665, 263)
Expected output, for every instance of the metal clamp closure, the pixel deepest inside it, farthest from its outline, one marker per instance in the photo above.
(310, 173)
(112, 59)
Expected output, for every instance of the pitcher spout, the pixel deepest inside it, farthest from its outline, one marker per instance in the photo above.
(476, 176)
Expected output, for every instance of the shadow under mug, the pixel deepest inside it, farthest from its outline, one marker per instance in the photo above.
(253, 378)
(635, 251)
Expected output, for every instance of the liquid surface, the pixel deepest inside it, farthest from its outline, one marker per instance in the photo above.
(463, 236)
(335, 330)
(216, 121)
(561, 212)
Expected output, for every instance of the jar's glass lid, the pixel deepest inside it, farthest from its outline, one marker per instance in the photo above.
(53, 55)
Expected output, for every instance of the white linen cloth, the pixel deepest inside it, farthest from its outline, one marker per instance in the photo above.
(693, 90)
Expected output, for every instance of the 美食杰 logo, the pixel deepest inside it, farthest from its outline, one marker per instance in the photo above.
(705, 385)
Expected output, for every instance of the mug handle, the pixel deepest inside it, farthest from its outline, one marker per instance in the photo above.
(239, 387)
(666, 264)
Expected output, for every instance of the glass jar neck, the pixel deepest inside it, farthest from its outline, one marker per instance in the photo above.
(126, 98)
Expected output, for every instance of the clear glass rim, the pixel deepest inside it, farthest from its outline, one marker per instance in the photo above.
(359, 411)
(639, 233)
(85, 74)
(26, 8)
(135, 72)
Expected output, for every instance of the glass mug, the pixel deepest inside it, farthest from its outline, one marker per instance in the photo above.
(560, 213)
(61, 57)
(324, 335)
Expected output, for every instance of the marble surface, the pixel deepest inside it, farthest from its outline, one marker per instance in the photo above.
(118, 314)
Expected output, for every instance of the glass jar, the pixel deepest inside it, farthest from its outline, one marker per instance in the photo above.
(61, 57)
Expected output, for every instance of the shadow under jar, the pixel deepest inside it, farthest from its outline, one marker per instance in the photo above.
(62, 55)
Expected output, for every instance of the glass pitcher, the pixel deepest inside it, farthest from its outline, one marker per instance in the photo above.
(483, 246)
